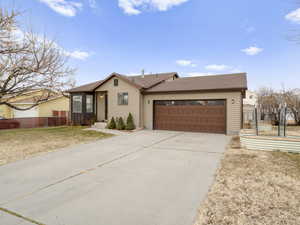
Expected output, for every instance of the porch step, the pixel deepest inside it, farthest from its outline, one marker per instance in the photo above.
(99, 125)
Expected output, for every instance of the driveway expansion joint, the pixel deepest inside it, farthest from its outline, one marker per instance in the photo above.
(185, 150)
(20, 216)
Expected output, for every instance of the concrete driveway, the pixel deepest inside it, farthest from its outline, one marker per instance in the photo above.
(143, 178)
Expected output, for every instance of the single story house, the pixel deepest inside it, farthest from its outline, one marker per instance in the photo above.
(164, 101)
(56, 105)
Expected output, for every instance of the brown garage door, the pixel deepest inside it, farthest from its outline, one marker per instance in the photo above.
(190, 115)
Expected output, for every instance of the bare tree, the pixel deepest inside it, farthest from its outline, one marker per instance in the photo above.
(27, 62)
(292, 99)
(269, 102)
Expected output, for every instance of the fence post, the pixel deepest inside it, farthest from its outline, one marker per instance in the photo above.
(256, 121)
(284, 121)
(279, 111)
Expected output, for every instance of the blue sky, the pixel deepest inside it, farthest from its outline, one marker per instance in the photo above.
(191, 37)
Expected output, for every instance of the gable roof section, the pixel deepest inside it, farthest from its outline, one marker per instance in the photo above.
(86, 87)
(150, 80)
(203, 83)
(122, 77)
(140, 81)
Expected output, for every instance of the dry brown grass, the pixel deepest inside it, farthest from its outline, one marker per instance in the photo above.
(24, 143)
(290, 131)
(254, 188)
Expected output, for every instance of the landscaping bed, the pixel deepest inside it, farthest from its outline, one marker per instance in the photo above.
(20, 144)
(253, 188)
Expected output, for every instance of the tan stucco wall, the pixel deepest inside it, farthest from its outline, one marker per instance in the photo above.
(59, 104)
(233, 109)
(5, 111)
(134, 100)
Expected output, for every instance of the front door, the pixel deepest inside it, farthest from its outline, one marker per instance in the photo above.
(106, 106)
(101, 99)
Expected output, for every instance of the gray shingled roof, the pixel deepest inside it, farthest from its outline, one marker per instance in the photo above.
(143, 81)
(150, 80)
(86, 87)
(203, 83)
(152, 83)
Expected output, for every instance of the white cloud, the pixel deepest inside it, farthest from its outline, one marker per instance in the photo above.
(216, 67)
(197, 74)
(294, 16)
(18, 36)
(63, 7)
(81, 55)
(93, 3)
(128, 7)
(135, 7)
(133, 74)
(252, 50)
(235, 71)
(183, 62)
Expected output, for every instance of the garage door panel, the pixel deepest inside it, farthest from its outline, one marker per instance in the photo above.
(199, 116)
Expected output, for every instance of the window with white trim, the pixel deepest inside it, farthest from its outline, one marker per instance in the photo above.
(77, 104)
(89, 103)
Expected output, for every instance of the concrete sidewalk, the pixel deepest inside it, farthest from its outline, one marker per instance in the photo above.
(145, 178)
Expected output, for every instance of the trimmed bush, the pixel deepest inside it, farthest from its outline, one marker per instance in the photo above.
(120, 124)
(112, 124)
(129, 123)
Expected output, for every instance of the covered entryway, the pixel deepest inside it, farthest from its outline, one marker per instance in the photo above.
(190, 115)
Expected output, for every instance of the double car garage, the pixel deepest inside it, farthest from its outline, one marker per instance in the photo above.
(190, 115)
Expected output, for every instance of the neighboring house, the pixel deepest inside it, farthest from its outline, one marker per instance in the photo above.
(249, 103)
(164, 101)
(56, 105)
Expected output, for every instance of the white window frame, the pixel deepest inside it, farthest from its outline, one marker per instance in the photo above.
(77, 99)
(89, 106)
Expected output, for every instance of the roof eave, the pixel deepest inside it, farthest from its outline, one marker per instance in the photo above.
(198, 90)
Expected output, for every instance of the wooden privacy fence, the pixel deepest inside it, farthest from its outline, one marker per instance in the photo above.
(33, 122)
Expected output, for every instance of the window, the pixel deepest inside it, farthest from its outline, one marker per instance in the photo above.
(122, 98)
(89, 103)
(116, 82)
(77, 104)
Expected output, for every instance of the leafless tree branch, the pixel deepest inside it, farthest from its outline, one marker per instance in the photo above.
(29, 62)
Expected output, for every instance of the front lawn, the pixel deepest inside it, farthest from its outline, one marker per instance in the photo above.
(254, 188)
(19, 144)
